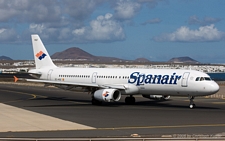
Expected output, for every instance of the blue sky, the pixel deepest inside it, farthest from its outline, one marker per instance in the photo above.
(154, 29)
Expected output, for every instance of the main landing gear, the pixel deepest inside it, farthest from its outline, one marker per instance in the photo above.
(95, 101)
(130, 100)
(192, 104)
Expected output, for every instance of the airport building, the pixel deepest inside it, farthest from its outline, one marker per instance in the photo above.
(24, 66)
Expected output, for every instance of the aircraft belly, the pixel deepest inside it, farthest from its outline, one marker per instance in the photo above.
(167, 90)
(158, 89)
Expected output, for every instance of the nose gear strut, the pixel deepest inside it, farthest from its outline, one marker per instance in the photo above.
(192, 104)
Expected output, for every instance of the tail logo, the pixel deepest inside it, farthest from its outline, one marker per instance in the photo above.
(40, 55)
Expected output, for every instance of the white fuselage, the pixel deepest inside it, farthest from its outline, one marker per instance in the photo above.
(137, 81)
(107, 85)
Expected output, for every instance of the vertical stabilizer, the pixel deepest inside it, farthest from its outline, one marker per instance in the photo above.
(41, 56)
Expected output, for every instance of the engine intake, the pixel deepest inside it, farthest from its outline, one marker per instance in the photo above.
(107, 95)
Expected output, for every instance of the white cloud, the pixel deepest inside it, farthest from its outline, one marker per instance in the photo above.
(152, 3)
(80, 31)
(61, 20)
(126, 9)
(103, 29)
(8, 35)
(206, 21)
(64, 20)
(29, 10)
(52, 19)
(184, 34)
(80, 10)
(52, 34)
(37, 28)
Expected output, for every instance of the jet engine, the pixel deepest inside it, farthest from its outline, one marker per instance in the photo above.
(157, 97)
(107, 95)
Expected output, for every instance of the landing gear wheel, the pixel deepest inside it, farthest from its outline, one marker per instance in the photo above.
(192, 104)
(130, 100)
(95, 101)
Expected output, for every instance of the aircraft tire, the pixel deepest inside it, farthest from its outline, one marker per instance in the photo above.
(130, 100)
(192, 106)
(96, 102)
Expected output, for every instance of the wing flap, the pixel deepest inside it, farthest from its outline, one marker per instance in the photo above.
(113, 86)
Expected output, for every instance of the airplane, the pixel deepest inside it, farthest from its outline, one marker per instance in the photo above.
(108, 84)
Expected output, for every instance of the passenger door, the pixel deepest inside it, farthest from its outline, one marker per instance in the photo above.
(49, 74)
(184, 82)
(94, 76)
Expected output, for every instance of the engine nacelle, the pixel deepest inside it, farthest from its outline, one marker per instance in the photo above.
(107, 95)
(157, 97)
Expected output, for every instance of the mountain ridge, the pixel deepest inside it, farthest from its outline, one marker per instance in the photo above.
(79, 54)
(184, 59)
(5, 58)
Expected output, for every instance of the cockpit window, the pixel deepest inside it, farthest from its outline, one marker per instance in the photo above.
(197, 79)
(208, 78)
(203, 79)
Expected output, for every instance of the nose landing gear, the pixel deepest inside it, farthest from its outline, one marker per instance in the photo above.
(192, 104)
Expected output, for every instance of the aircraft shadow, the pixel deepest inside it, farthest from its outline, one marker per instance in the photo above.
(150, 103)
(169, 105)
(74, 102)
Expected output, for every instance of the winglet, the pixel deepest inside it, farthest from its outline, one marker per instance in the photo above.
(15, 79)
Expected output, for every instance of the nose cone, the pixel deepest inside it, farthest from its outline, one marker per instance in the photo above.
(214, 87)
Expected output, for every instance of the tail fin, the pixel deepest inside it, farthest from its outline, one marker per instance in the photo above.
(41, 56)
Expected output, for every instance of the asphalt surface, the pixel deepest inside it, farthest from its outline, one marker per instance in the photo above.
(147, 118)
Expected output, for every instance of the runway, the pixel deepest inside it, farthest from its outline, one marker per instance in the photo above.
(147, 118)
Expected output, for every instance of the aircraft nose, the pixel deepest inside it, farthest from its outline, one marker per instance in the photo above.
(215, 87)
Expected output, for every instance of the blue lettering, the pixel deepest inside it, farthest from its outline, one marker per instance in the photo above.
(148, 79)
(133, 77)
(165, 79)
(177, 78)
(172, 78)
(141, 79)
(158, 77)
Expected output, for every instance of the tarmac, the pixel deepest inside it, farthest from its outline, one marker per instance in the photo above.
(15, 119)
(34, 111)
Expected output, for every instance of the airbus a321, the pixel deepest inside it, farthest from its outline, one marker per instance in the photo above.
(108, 84)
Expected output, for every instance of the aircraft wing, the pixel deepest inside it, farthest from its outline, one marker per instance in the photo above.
(115, 86)
(78, 84)
(63, 83)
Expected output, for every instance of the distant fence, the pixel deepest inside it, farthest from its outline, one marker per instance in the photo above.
(221, 82)
(219, 96)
